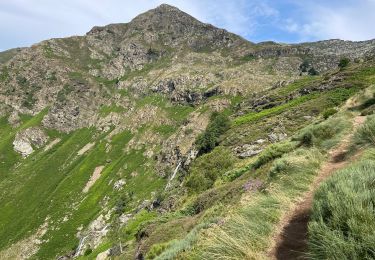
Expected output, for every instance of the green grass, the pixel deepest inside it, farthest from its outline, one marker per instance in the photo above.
(298, 84)
(4, 74)
(253, 116)
(366, 134)
(247, 232)
(7, 55)
(8, 157)
(50, 184)
(165, 130)
(106, 110)
(176, 112)
(172, 249)
(326, 134)
(130, 231)
(343, 215)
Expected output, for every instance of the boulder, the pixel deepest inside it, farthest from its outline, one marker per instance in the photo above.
(27, 139)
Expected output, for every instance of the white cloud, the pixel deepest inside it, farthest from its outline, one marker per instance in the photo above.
(347, 20)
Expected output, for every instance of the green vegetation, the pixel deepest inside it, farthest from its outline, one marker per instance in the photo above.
(7, 55)
(48, 51)
(343, 63)
(165, 130)
(206, 142)
(324, 135)
(87, 252)
(106, 110)
(207, 168)
(366, 133)
(218, 206)
(253, 116)
(248, 57)
(272, 152)
(64, 92)
(247, 233)
(343, 215)
(4, 74)
(63, 184)
(173, 248)
(329, 112)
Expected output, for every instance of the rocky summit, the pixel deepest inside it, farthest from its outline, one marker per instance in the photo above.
(142, 139)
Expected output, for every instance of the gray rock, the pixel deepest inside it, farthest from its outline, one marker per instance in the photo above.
(277, 137)
(251, 150)
(29, 138)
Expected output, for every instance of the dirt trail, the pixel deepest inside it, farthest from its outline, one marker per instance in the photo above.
(291, 243)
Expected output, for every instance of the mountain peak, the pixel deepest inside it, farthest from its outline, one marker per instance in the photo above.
(167, 7)
(165, 13)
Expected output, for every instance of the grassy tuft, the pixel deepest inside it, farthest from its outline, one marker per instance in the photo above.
(247, 233)
(343, 215)
(366, 134)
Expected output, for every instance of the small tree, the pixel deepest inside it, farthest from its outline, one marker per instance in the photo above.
(344, 62)
(304, 66)
(208, 140)
(313, 72)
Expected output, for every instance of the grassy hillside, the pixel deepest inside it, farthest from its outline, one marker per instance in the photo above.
(167, 138)
(217, 206)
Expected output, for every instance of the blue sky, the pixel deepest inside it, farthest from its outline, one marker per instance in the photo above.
(24, 22)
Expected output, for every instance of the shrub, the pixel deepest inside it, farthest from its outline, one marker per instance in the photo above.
(365, 135)
(207, 141)
(329, 112)
(22, 81)
(324, 135)
(88, 251)
(304, 66)
(175, 247)
(313, 72)
(343, 215)
(300, 160)
(156, 250)
(207, 168)
(272, 152)
(343, 63)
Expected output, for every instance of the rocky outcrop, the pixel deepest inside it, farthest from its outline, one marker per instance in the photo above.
(14, 119)
(250, 150)
(28, 139)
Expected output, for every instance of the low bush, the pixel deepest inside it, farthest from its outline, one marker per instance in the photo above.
(175, 247)
(313, 72)
(329, 112)
(272, 152)
(207, 168)
(343, 215)
(366, 133)
(323, 135)
(343, 63)
(88, 251)
(295, 162)
(156, 250)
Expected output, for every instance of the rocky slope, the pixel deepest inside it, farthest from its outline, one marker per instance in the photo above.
(102, 129)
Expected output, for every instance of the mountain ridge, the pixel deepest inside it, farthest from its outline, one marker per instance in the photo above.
(137, 136)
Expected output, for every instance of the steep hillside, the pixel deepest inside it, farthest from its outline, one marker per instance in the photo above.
(136, 139)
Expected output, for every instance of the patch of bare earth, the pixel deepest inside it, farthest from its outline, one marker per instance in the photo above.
(94, 177)
(291, 242)
(26, 248)
(52, 144)
(85, 148)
